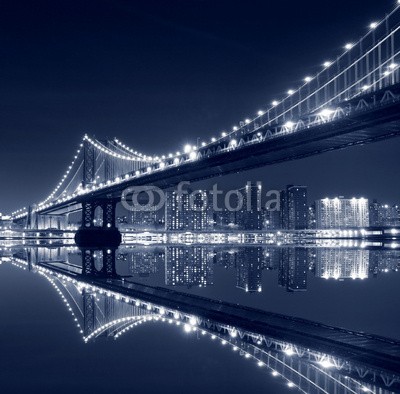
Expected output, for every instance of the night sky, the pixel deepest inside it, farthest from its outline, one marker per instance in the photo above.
(159, 74)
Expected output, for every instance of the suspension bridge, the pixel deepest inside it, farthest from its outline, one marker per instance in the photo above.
(353, 100)
(306, 355)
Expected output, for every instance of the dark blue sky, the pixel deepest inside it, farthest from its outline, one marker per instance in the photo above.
(158, 74)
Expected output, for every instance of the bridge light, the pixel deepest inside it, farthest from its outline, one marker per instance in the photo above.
(386, 73)
(274, 373)
(289, 351)
(327, 64)
(213, 139)
(289, 124)
(326, 112)
(307, 79)
(365, 87)
(260, 113)
(247, 121)
(187, 148)
(176, 160)
(275, 103)
(203, 144)
(235, 128)
(223, 134)
(290, 384)
(290, 92)
(373, 25)
(348, 46)
(233, 143)
(392, 66)
(193, 156)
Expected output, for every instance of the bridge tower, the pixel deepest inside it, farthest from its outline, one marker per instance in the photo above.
(107, 269)
(90, 235)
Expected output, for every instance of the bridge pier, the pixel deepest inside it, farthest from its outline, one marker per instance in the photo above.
(90, 235)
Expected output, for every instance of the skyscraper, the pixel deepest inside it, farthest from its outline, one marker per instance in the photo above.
(342, 213)
(250, 217)
(294, 208)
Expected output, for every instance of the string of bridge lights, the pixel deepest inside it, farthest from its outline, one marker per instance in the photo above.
(130, 150)
(327, 64)
(159, 314)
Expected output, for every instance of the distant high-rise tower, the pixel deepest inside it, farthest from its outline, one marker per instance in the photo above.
(294, 208)
(250, 217)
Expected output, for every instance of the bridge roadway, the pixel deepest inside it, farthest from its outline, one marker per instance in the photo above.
(379, 353)
(361, 127)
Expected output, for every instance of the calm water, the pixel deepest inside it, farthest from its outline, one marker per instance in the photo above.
(48, 329)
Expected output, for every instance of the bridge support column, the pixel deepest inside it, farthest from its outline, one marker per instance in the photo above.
(91, 236)
(89, 313)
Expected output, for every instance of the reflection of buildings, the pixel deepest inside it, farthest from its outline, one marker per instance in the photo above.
(188, 211)
(144, 263)
(189, 266)
(249, 266)
(383, 261)
(384, 215)
(342, 263)
(342, 213)
(293, 269)
(226, 258)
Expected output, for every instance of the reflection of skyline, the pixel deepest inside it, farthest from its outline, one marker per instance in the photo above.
(194, 265)
(110, 309)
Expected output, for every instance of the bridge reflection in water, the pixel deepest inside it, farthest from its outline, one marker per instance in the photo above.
(309, 356)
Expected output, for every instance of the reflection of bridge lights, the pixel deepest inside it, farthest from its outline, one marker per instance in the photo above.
(288, 351)
(326, 363)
